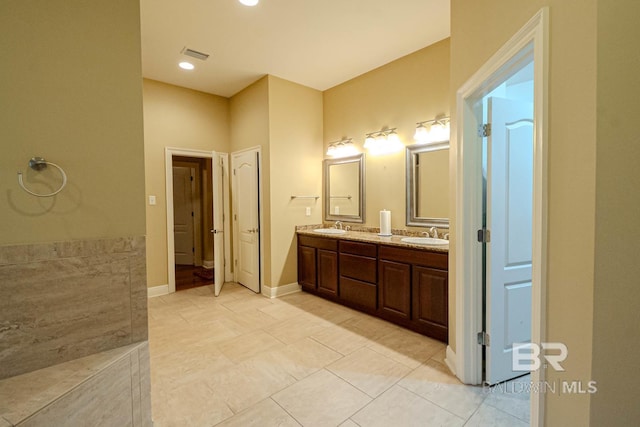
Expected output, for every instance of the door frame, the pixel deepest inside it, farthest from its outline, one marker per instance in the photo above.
(169, 152)
(257, 149)
(467, 358)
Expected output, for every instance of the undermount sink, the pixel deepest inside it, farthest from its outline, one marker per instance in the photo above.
(329, 231)
(425, 241)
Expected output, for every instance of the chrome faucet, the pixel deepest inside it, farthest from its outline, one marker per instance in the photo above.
(434, 232)
(338, 224)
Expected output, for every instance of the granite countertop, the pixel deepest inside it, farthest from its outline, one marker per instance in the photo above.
(371, 236)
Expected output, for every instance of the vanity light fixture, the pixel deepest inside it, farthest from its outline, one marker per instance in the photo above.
(385, 141)
(438, 130)
(342, 148)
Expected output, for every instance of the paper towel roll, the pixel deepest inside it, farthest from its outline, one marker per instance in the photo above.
(385, 223)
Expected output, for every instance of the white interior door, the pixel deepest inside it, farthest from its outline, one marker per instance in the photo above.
(246, 216)
(183, 225)
(509, 219)
(218, 223)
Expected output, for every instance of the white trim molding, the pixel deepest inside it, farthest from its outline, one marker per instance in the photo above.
(280, 291)
(450, 360)
(157, 291)
(208, 264)
(169, 152)
(533, 38)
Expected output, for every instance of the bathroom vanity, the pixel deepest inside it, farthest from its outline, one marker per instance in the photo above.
(404, 283)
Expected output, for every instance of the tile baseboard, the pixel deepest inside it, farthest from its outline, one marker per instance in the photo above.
(279, 291)
(450, 360)
(157, 291)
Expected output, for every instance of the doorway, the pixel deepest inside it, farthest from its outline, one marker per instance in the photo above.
(192, 221)
(507, 176)
(520, 300)
(200, 181)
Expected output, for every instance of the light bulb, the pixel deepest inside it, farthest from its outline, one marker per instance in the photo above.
(393, 138)
(369, 141)
(249, 2)
(186, 65)
(422, 134)
(439, 132)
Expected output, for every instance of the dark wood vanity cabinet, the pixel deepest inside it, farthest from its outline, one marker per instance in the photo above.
(318, 264)
(327, 272)
(431, 301)
(413, 289)
(403, 285)
(394, 290)
(307, 267)
(358, 276)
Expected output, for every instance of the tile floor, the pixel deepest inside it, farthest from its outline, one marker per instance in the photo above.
(244, 360)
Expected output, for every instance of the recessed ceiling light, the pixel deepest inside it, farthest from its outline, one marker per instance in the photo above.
(249, 2)
(186, 65)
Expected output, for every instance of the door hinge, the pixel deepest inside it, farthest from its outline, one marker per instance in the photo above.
(191, 178)
(193, 250)
(234, 172)
(235, 262)
(235, 217)
(484, 236)
(192, 214)
(484, 339)
(484, 130)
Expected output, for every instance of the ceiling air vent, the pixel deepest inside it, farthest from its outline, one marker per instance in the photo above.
(195, 54)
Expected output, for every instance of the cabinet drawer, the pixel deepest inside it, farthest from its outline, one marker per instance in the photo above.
(358, 267)
(357, 292)
(318, 242)
(415, 256)
(358, 248)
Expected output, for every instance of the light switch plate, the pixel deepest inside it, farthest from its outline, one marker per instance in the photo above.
(152, 200)
(307, 211)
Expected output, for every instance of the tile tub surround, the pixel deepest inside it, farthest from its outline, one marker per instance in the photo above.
(370, 235)
(64, 300)
(110, 388)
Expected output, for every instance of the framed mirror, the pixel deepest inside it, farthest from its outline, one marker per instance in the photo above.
(344, 189)
(428, 185)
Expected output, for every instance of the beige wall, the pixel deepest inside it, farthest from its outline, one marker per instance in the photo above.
(249, 118)
(180, 118)
(285, 120)
(571, 143)
(295, 151)
(76, 101)
(411, 89)
(617, 295)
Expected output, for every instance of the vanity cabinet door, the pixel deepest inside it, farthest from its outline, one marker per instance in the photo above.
(328, 272)
(431, 301)
(394, 289)
(307, 267)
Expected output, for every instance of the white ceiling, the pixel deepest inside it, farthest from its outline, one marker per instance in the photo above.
(316, 43)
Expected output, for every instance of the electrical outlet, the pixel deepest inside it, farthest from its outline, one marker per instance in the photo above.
(152, 200)
(307, 211)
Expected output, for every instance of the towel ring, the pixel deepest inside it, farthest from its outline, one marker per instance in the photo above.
(38, 164)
